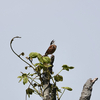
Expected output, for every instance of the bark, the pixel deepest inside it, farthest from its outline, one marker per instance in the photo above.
(53, 93)
(46, 86)
(87, 89)
(49, 93)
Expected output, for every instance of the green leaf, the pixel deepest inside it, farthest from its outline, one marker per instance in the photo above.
(39, 64)
(29, 92)
(31, 74)
(39, 56)
(58, 78)
(46, 60)
(33, 54)
(28, 95)
(47, 65)
(71, 67)
(20, 78)
(65, 67)
(25, 80)
(36, 64)
(24, 75)
(68, 88)
(38, 68)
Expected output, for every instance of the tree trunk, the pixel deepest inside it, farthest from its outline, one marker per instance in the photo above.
(49, 92)
(87, 89)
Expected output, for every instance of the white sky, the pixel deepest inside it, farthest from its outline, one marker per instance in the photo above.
(75, 26)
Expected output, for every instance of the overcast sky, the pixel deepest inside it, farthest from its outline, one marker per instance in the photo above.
(73, 24)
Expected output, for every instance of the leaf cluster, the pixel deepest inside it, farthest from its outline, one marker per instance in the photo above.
(39, 69)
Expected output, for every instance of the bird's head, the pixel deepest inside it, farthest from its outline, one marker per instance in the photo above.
(52, 42)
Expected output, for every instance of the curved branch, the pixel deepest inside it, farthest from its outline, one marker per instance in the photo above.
(16, 53)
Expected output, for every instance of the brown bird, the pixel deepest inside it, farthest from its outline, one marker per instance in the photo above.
(51, 48)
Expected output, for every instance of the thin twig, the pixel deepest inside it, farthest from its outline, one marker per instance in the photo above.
(52, 80)
(59, 71)
(32, 81)
(35, 89)
(62, 94)
(16, 53)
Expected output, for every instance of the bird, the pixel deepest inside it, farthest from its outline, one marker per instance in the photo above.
(51, 48)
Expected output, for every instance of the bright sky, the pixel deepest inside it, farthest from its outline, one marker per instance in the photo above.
(73, 24)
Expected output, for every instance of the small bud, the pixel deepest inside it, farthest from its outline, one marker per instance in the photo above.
(26, 67)
(27, 58)
(22, 54)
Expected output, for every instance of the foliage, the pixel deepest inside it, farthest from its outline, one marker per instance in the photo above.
(36, 78)
(68, 88)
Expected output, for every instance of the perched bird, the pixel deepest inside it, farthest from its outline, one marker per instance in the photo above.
(51, 48)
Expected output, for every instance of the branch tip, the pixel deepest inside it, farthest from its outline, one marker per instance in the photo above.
(95, 79)
(14, 38)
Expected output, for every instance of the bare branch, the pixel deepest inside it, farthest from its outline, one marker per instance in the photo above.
(16, 53)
